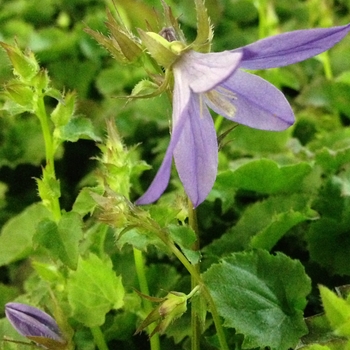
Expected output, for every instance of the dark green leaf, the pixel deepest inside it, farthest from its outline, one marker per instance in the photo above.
(263, 224)
(262, 296)
(77, 128)
(17, 233)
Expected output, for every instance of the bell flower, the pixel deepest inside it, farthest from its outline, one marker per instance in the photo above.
(214, 80)
(35, 324)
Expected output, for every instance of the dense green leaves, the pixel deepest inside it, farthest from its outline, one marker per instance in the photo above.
(280, 201)
(262, 296)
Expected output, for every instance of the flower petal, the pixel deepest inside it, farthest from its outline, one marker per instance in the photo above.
(182, 96)
(258, 103)
(291, 47)
(32, 322)
(203, 71)
(196, 153)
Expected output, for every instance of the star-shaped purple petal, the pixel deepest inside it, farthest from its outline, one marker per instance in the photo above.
(213, 80)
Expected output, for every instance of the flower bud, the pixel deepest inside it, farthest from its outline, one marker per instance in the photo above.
(41, 81)
(36, 325)
(171, 307)
(24, 65)
(122, 45)
(21, 94)
(128, 45)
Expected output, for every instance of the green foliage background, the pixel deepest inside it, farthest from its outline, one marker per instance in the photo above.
(281, 194)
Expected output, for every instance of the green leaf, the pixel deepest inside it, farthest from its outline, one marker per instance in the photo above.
(329, 94)
(62, 239)
(93, 290)
(337, 311)
(77, 128)
(64, 110)
(223, 190)
(139, 239)
(262, 224)
(269, 236)
(17, 233)
(21, 141)
(329, 244)
(84, 203)
(262, 296)
(7, 294)
(266, 176)
(320, 332)
(252, 141)
(317, 347)
(331, 160)
(185, 237)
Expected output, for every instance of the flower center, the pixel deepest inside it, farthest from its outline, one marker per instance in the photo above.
(222, 99)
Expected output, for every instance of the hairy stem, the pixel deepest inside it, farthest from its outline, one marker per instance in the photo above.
(141, 275)
(324, 57)
(99, 338)
(49, 150)
(195, 322)
(195, 276)
(204, 290)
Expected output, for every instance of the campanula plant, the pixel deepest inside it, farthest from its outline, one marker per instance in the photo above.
(125, 275)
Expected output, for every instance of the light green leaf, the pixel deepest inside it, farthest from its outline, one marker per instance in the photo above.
(331, 160)
(16, 234)
(185, 237)
(320, 332)
(262, 296)
(84, 203)
(317, 347)
(266, 176)
(62, 239)
(77, 128)
(93, 290)
(337, 311)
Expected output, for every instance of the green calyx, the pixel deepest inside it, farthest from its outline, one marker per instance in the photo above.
(163, 51)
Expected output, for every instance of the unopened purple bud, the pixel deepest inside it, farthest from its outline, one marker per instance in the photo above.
(168, 33)
(32, 322)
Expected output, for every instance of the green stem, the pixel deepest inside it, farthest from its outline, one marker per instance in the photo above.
(49, 150)
(163, 235)
(99, 338)
(195, 322)
(326, 65)
(141, 275)
(212, 307)
(41, 114)
(218, 122)
(262, 10)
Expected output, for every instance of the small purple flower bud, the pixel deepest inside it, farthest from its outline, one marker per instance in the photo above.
(33, 323)
(168, 34)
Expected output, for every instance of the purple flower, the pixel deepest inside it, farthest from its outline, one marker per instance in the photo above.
(33, 323)
(213, 80)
